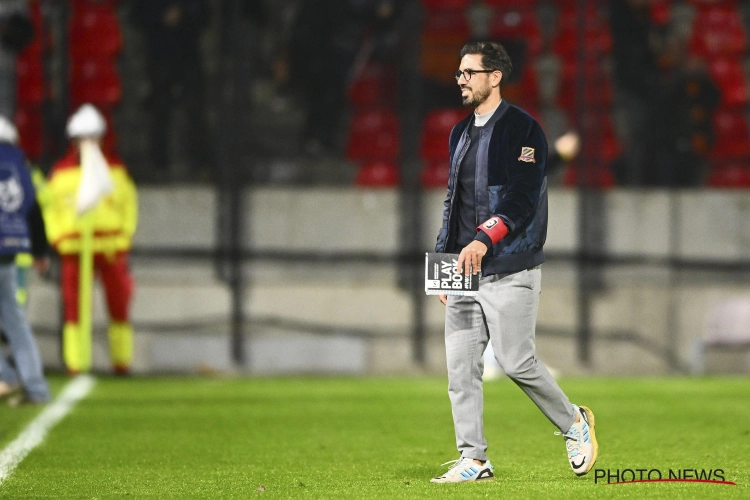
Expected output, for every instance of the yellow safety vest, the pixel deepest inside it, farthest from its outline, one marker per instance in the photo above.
(115, 217)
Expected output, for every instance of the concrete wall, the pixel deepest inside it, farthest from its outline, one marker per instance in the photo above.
(353, 318)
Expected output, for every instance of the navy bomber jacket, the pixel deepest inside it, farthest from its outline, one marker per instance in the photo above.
(511, 189)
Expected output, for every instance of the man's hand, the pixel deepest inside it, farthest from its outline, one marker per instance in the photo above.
(470, 258)
(443, 299)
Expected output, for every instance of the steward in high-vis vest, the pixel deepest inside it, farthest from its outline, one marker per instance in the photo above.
(115, 219)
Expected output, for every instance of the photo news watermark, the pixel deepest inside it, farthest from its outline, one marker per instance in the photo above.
(627, 476)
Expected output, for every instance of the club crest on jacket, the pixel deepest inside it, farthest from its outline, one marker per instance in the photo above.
(527, 155)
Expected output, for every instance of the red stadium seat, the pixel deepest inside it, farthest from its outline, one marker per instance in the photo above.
(433, 5)
(443, 36)
(597, 39)
(733, 175)
(512, 4)
(732, 135)
(568, 17)
(599, 140)
(660, 11)
(568, 5)
(109, 141)
(514, 23)
(377, 174)
(94, 5)
(95, 81)
(435, 174)
(717, 31)
(30, 130)
(375, 87)
(436, 132)
(730, 78)
(94, 34)
(712, 3)
(30, 87)
(35, 49)
(374, 135)
(523, 92)
(610, 146)
(598, 91)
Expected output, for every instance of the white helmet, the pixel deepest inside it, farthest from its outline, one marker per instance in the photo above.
(86, 122)
(8, 131)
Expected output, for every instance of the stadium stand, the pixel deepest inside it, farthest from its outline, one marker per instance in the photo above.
(719, 37)
(584, 91)
(581, 83)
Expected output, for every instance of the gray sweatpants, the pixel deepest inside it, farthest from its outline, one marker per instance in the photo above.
(503, 312)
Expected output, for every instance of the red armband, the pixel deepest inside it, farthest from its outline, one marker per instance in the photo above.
(495, 228)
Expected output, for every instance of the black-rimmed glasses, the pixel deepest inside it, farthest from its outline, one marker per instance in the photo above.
(467, 73)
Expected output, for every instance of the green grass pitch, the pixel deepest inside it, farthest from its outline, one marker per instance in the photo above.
(302, 437)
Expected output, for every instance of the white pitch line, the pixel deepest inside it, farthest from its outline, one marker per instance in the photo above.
(33, 435)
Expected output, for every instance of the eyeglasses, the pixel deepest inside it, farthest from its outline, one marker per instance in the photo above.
(467, 73)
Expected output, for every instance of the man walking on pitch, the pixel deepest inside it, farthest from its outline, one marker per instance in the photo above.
(17, 198)
(495, 218)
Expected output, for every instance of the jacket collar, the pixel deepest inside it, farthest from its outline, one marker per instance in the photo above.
(499, 112)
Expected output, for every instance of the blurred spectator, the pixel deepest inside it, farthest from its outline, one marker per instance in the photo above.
(327, 41)
(682, 128)
(635, 76)
(115, 219)
(172, 31)
(17, 197)
(564, 149)
(16, 31)
(479, 17)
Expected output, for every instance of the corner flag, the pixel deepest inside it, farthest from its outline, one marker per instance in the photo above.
(95, 184)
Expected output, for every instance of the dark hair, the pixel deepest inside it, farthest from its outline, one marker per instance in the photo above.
(493, 55)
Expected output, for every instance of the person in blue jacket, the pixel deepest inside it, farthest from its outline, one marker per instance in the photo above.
(495, 219)
(17, 198)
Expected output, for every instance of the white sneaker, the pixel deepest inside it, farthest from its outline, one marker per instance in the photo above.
(466, 470)
(580, 441)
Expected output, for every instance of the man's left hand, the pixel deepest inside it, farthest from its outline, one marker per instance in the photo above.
(470, 258)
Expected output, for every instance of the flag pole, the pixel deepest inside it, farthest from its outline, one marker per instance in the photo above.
(85, 289)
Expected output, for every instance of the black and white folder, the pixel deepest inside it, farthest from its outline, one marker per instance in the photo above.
(441, 277)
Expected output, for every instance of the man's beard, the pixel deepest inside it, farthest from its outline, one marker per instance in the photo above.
(477, 96)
